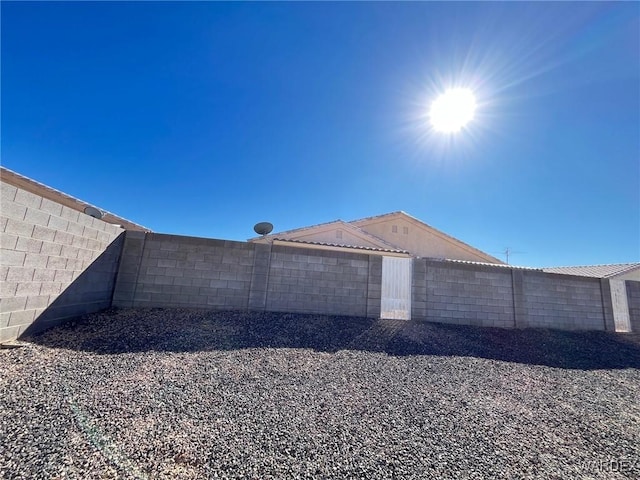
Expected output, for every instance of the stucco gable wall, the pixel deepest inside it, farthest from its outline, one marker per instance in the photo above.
(420, 241)
(330, 236)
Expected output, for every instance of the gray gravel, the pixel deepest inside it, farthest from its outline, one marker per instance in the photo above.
(173, 394)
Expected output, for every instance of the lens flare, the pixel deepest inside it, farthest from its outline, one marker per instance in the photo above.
(452, 110)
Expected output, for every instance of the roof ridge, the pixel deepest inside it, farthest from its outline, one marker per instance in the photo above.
(379, 216)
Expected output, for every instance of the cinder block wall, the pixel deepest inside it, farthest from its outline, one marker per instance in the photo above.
(563, 301)
(316, 281)
(55, 262)
(633, 298)
(176, 271)
(491, 296)
(462, 294)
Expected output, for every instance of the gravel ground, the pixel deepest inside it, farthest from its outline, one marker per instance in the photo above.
(174, 394)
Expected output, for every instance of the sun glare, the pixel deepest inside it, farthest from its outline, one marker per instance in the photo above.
(452, 110)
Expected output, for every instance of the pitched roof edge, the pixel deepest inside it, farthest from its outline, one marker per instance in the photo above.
(33, 186)
(375, 238)
(345, 246)
(487, 264)
(347, 226)
(440, 233)
(571, 270)
(296, 230)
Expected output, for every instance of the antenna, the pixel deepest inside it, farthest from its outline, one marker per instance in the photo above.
(263, 228)
(507, 252)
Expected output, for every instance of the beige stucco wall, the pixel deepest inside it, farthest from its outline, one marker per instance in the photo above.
(421, 241)
(330, 236)
(327, 234)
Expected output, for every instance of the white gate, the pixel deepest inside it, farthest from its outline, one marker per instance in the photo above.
(396, 288)
(620, 305)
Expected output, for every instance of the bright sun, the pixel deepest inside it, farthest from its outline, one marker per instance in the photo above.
(452, 110)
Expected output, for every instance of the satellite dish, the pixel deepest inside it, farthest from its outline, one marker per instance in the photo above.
(263, 228)
(93, 212)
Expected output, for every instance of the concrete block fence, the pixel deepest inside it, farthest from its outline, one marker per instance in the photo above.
(55, 262)
(487, 296)
(462, 294)
(175, 271)
(171, 271)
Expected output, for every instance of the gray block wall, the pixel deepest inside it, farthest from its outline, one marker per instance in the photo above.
(633, 299)
(481, 295)
(55, 262)
(176, 271)
(462, 294)
(317, 281)
(563, 301)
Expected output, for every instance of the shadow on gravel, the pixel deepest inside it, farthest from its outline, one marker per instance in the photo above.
(178, 330)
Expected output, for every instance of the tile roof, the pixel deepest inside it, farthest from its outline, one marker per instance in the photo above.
(355, 226)
(501, 265)
(598, 271)
(355, 247)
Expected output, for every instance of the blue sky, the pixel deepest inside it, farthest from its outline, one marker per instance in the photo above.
(203, 118)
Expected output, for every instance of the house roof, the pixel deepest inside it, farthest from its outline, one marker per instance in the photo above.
(487, 264)
(347, 226)
(355, 227)
(342, 246)
(598, 271)
(25, 183)
(434, 230)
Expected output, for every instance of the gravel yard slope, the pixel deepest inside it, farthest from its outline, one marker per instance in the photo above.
(172, 394)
